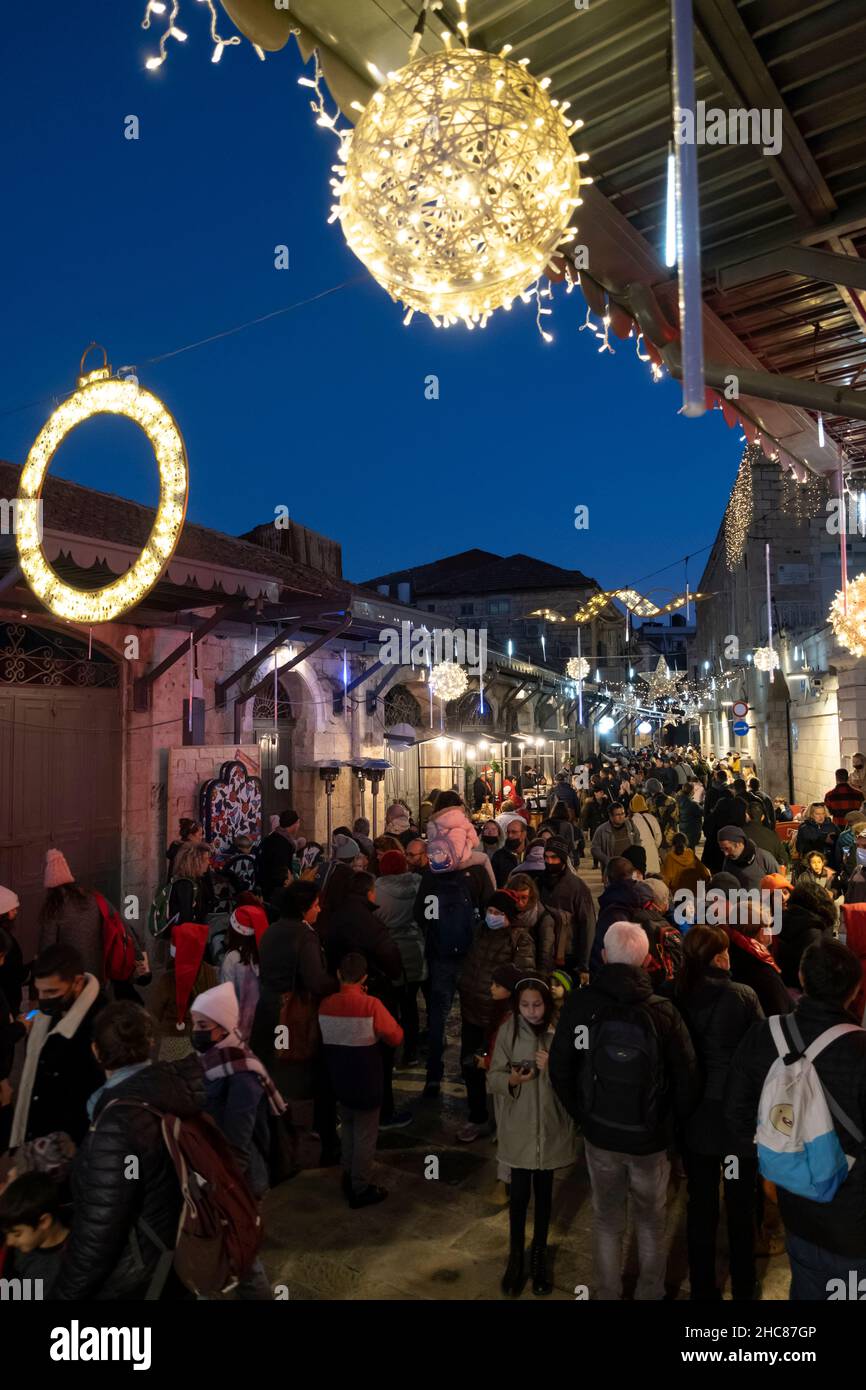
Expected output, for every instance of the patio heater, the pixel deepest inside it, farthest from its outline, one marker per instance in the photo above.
(329, 771)
(374, 771)
(357, 765)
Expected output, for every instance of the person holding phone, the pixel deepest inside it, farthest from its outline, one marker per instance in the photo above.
(536, 1134)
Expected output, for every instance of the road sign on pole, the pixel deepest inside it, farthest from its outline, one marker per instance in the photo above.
(739, 709)
(741, 728)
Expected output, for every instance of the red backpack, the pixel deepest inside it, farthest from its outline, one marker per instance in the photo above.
(118, 942)
(219, 1230)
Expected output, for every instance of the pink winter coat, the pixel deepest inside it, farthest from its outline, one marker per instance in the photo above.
(452, 842)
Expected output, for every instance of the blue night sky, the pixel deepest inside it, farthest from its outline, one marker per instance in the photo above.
(151, 244)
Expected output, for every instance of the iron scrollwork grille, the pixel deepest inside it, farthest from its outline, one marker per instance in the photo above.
(33, 656)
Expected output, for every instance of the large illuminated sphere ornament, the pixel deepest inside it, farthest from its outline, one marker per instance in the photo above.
(101, 394)
(448, 681)
(766, 659)
(577, 667)
(850, 626)
(459, 184)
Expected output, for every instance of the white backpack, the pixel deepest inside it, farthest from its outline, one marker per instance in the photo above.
(798, 1147)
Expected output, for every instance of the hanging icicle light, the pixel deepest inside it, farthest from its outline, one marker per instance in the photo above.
(671, 210)
(459, 184)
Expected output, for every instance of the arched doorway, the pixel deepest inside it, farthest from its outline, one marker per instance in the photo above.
(61, 765)
(276, 742)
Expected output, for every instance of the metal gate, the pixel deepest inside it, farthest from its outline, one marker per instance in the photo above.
(60, 766)
(276, 742)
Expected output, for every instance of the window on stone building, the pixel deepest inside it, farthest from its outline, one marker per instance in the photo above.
(498, 605)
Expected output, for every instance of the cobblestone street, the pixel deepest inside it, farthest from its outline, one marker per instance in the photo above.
(445, 1236)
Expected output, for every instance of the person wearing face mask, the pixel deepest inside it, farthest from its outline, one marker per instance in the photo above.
(536, 1134)
(492, 838)
(749, 928)
(60, 1071)
(506, 859)
(562, 890)
(239, 1097)
(498, 941)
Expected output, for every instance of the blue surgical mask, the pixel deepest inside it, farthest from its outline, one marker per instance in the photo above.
(861, 856)
(494, 921)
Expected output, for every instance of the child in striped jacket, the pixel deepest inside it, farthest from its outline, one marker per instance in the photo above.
(353, 1023)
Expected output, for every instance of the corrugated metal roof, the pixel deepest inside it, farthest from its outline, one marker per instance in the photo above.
(805, 58)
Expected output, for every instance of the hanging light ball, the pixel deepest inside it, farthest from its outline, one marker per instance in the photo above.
(448, 681)
(766, 659)
(850, 626)
(577, 667)
(460, 182)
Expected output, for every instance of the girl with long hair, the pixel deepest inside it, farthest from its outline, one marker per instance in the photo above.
(536, 1135)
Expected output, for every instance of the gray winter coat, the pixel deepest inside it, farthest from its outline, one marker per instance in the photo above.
(535, 1130)
(395, 899)
(603, 841)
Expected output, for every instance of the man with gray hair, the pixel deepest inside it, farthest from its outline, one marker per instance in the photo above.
(623, 1065)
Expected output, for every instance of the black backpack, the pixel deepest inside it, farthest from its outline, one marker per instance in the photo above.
(457, 919)
(623, 1078)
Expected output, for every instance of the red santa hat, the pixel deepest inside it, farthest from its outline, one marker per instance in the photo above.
(189, 940)
(250, 921)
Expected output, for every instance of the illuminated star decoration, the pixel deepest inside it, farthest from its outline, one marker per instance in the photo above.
(661, 681)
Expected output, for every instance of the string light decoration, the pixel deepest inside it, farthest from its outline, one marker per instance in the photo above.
(173, 31)
(803, 500)
(448, 681)
(766, 659)
(577, 667)
(458, 184)
(738, 514)
(101, 394)
(848, 620)
(633, 601)
(662, 681)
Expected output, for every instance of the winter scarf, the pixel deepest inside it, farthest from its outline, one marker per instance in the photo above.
(226, 1058)
(753, 947)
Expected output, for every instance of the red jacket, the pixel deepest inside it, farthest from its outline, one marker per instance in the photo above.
(353, 1023)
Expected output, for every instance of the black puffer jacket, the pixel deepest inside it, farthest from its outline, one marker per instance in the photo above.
(718, 1014)
(840, 1225)
(357, 926)
(625, 985)
(106, 1257)
(800, 928)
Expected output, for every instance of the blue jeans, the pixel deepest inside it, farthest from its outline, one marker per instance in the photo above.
(812, 1268)
(443, 986)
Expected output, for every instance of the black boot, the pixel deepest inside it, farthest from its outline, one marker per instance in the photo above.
(514, 1277)
(541, 1284)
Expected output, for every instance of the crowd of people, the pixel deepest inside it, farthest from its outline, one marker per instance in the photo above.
(259, 1026)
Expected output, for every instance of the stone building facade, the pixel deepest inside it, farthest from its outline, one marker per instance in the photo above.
(811, 717)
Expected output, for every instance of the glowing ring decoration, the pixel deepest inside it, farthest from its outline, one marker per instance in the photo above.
(101, 394)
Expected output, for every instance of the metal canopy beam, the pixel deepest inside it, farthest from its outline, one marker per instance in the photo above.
(797, 260)
(221, 687)
(809, 395)
(353, 685)
(850, 217)
(266, 681)
(142, 686)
